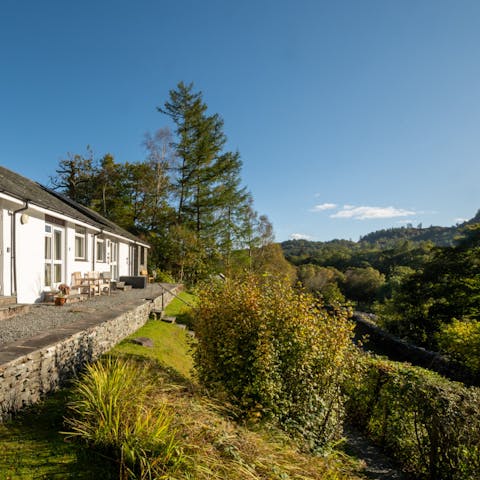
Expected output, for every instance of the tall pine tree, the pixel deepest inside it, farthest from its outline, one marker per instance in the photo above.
(207, 179)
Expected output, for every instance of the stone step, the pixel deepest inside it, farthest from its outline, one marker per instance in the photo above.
(169, 319)
(7, 301)
(12, 310)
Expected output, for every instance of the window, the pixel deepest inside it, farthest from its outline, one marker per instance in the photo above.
(100, 248)
(80, 243)
(142, 255)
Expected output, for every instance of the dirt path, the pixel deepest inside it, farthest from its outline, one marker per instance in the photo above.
(378, 466)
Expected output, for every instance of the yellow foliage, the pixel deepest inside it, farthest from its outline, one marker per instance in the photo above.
(461, 340)
(276, 354)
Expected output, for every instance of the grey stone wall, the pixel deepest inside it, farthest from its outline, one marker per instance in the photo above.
(384, 343)
(27, 378)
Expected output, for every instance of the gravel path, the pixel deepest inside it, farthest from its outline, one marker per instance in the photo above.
(43, 318)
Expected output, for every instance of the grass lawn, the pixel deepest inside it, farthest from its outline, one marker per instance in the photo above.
(31, 447)
(171, 346)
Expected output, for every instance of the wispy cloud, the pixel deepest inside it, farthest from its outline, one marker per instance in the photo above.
(300, 236)
(324, 206)
(460, 220)
(371, 213)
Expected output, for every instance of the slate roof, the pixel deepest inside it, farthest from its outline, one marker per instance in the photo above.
(20, 187)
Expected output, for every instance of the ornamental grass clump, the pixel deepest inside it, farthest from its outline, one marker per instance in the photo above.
(276, 354)
(111, 413)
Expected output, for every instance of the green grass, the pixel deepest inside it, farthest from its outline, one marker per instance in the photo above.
(181, 309)
(171, 346)
(177, 306)
(31, 447)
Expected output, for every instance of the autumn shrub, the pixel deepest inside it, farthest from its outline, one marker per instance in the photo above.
(110, 414)
(275, 353)
(429, 424)
(461, 341)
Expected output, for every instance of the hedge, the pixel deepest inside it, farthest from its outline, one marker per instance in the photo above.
(429, 424)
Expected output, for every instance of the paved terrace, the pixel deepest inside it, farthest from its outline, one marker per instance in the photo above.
(45, 324)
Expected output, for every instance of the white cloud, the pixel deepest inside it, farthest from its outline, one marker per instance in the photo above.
(371, 213)
(300, 236)
(460, 220)
(324, 206)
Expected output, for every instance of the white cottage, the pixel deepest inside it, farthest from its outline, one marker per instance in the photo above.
(45, 237)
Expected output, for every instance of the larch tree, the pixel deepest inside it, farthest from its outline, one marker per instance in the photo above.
(207, 180)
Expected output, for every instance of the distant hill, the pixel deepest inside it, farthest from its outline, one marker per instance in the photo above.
(440, 236)
(341, 253)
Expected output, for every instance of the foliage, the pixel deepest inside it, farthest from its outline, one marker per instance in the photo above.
(362, 284)
(110, 413)
(429, 424)
(215, 447)
(447, 287)
(274, 353)
(323, 281)
(461, 341)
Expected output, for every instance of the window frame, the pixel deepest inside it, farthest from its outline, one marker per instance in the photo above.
(81, 234)
(100, 246)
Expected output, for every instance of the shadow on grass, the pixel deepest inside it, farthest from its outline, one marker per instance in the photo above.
(32, 447)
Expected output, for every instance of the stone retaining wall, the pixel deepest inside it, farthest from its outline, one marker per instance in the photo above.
(27, 378)
(384, 343)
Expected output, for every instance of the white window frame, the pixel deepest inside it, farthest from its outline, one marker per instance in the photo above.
(100, 250)
(81, 236)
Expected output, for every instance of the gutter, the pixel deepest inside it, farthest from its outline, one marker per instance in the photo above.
(13, 248)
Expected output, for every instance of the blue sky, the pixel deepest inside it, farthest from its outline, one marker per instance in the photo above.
(349, 115)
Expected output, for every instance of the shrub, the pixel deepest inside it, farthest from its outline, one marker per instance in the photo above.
(275, 353)
(461, 340)
(110, 413)
(429, 424)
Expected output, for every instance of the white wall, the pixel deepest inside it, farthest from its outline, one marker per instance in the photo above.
(30, 257)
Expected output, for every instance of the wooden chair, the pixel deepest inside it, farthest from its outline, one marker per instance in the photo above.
(150, 278)
(79, 284)
(105, 283)
(93, 281)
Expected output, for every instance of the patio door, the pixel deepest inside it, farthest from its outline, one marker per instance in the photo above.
(114, 260)
(54, 255)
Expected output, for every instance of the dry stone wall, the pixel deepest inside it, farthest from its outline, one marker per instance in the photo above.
(27, 378)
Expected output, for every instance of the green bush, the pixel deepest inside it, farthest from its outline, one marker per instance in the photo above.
(461, 340)
(110, 413)
(275, 353)
(429, 424)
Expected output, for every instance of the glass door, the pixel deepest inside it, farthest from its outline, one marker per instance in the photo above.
(53, 256)
(114, 260)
